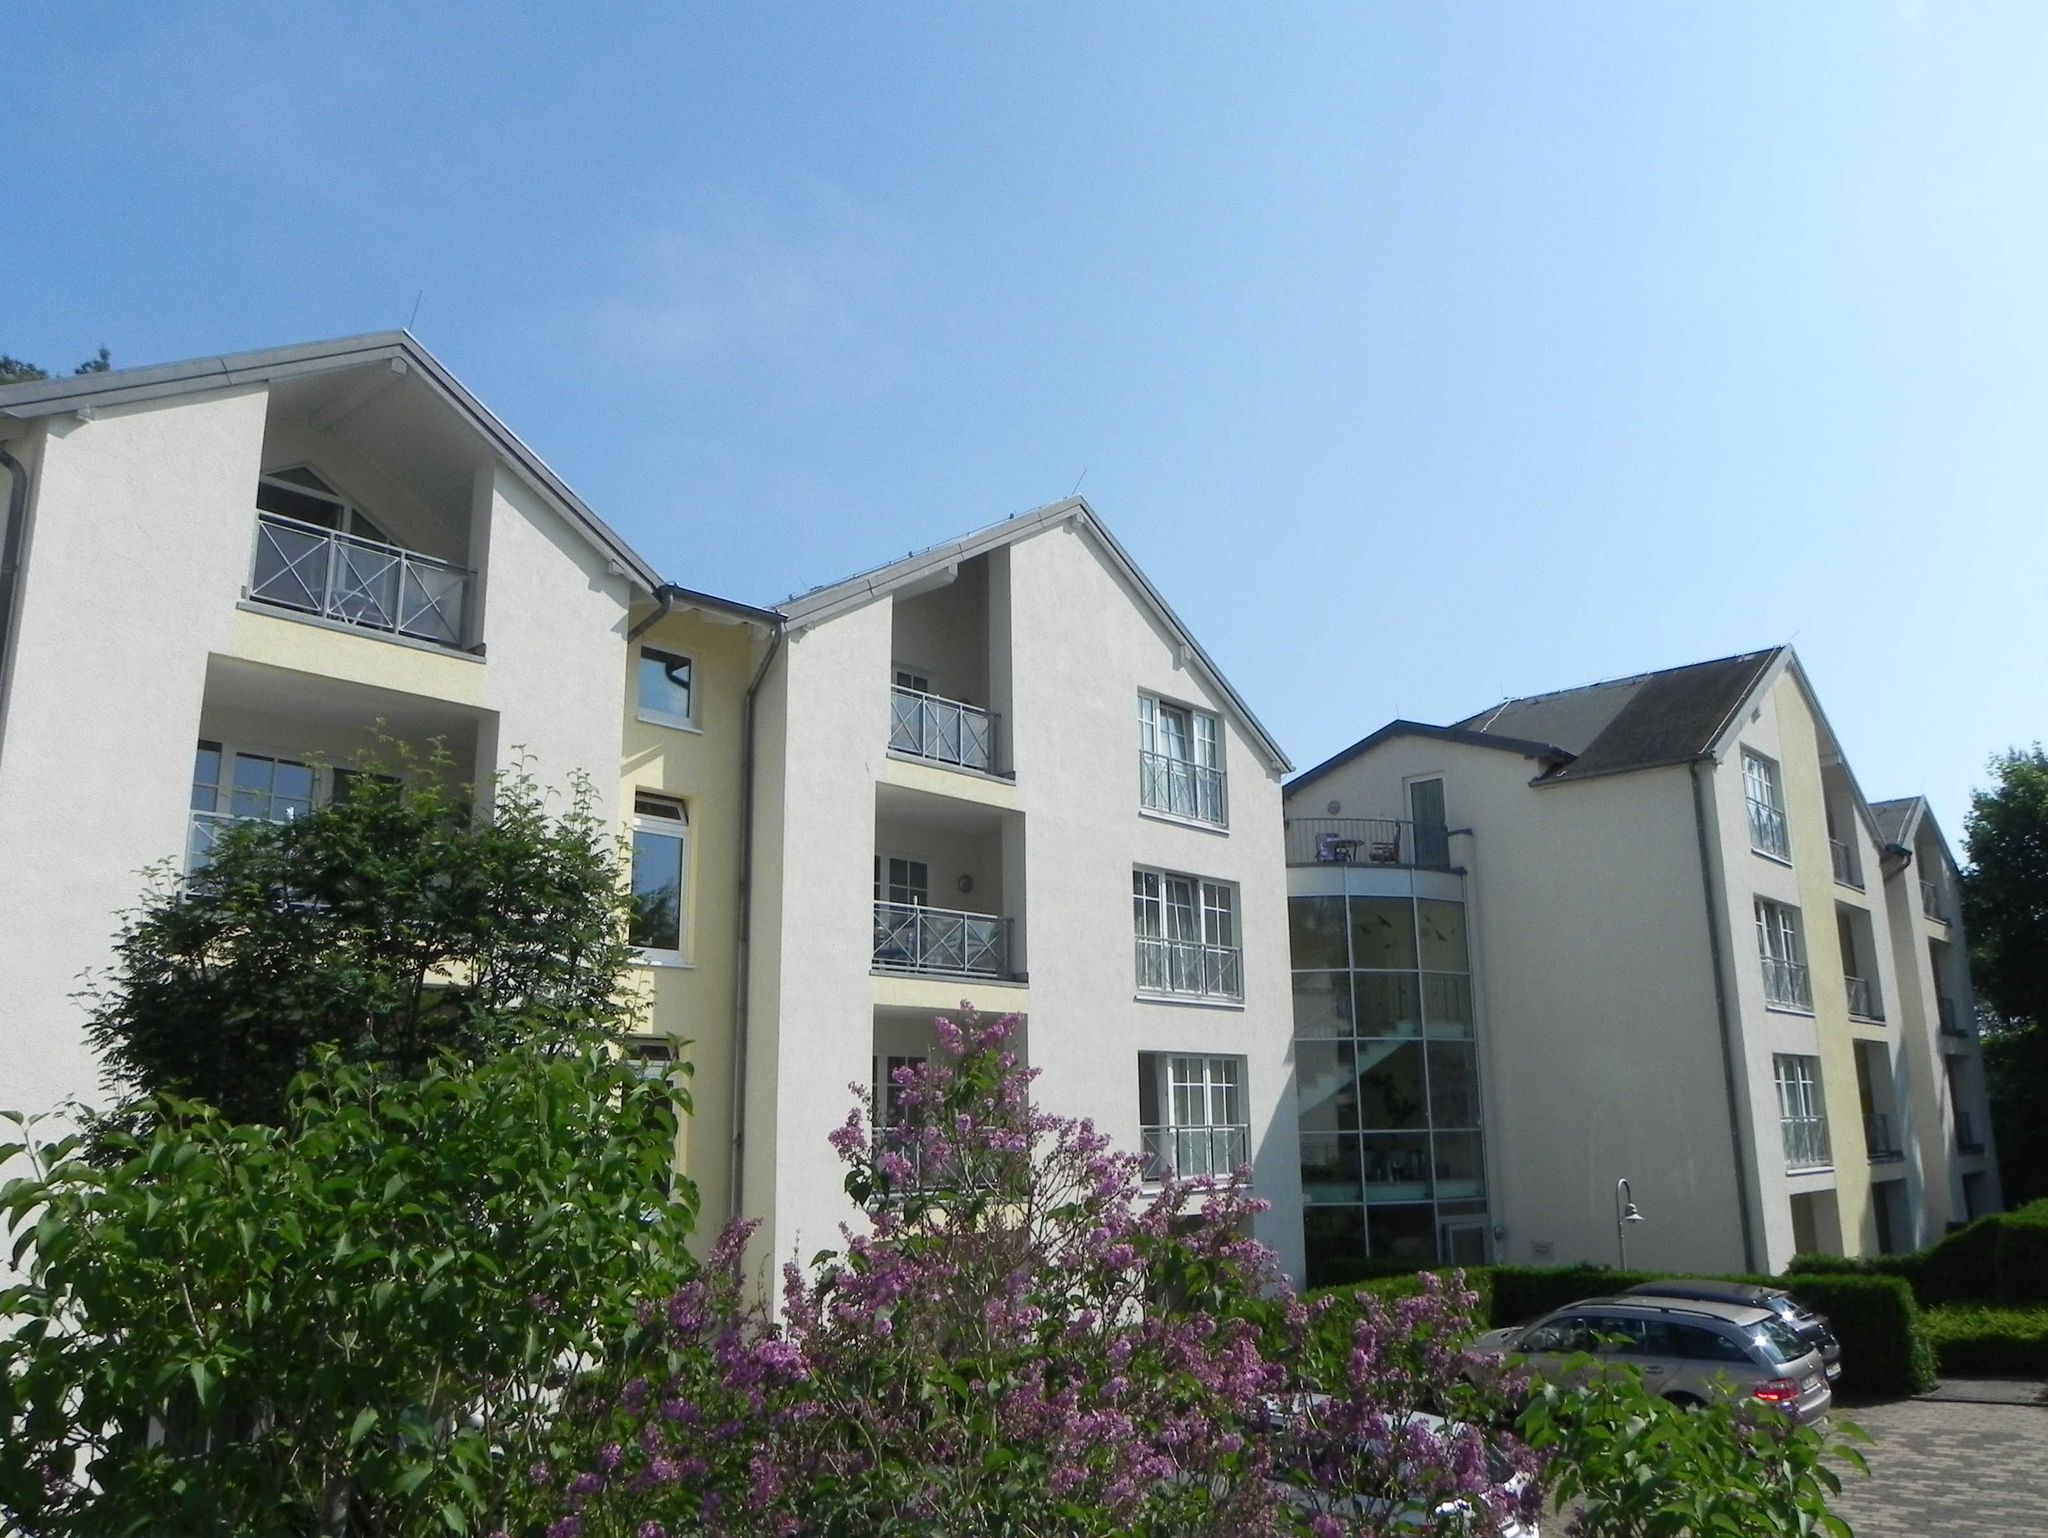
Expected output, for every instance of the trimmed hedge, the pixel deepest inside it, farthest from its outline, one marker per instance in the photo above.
(2001, 1258)
(1975, 1341)
(1520, 1293)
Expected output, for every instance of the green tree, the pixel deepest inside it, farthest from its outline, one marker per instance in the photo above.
(391, 926)
(17, 371)
(2005, 904)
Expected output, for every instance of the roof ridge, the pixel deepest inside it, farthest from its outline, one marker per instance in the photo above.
(1494, 710)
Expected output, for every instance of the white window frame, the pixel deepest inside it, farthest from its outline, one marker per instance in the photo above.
(885, 886)
(1204, 1115)
(1802, 1111)
(1763, 795)
(684, 721)
(1185, 933)
(1781, 953)
(350, 519)
(675, 826)
(1171, 733)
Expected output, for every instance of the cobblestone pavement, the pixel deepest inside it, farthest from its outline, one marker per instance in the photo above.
(1948, 1468)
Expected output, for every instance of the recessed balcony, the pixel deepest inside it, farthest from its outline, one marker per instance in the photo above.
(1930, 902)
(363, 583)
(920, 941)
(1385, 841)
(1863, 1002)
(941, 731)
(1879, 1139)
(1968, 1139)
(1844, 859)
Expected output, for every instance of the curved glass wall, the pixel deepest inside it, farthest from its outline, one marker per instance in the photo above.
(1387, 1078)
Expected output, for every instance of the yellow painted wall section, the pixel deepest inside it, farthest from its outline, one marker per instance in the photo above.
(1799, 773)
(373, 660)
(694, 1002)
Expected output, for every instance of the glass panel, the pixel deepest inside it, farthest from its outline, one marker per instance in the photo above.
(1402, 1233)
(664, 680)
(1447, 1003)
(1458, 1168)
(206, 777)
(1326, 1086)
(1453, 1084)
(1316, 932)
(1442, 927)
(1390, 1085)
(306, 507)
(1333, 1235)
(1397, 1165)
(1322, 1004)
(1329, 1168)
(657, 919)
(292, 791)
(1388, 1003)
(1383, 933)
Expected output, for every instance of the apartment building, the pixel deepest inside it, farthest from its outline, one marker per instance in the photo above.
(937, 782)
(1003, 772)
(1648, 930)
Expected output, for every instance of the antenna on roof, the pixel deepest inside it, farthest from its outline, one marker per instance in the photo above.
(416, 298)
(1078, 480)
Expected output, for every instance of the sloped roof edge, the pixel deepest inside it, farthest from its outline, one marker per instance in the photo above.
(135, 386)
(1403, 728)
(828, 602)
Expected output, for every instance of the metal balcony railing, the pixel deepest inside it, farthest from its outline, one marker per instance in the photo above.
(1844, 859)
(910, 937)
(1930, 902)
(1967, 1138)
(1945, 1014)
(1786, 983)
(1878, 1139)
(1863, 999)
(311, 570)
(1806, 1142)
(1195, 1153)
(201, 834)
(942, 730)
(1188, 966)
(1182, 787)
(1767, 829)
(1367, 841)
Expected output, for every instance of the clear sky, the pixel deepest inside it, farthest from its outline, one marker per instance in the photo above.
(1422, 354)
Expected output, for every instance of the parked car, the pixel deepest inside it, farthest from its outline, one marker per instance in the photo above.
(1687, 1351)
(1808, 1326)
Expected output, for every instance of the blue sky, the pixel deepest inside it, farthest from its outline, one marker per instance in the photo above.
(1422, 354)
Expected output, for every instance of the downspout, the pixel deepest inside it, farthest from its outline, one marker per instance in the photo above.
(1728, 1081)
(10, 571)
(744, 934)
(664, 600)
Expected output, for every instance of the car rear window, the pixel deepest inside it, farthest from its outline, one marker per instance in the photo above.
(1704, 1345)
(1779, 1343)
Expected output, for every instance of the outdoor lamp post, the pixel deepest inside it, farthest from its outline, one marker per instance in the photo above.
(1625, 1213)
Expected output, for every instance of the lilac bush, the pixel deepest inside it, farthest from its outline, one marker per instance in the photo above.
(1025, 1338)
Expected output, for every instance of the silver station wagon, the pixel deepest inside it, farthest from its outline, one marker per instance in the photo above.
(1689, 1351)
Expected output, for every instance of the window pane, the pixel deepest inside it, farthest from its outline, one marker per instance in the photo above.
(1447, 1003)
(1443, 936)
(1403, 1233)
(1458, 1170)
(206, 777)
(664, 680)
(1330, 1169)
(657, 921)
(1388, 1003)
(1453, 1084)
(1333, 1235)
(1383, 933)
(1397, 1166)
(1326, 1086)
(1315, 928)
(1322, 1004)
(1390, 1087)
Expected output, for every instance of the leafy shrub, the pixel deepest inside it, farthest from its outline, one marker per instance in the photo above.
(2022, 1255)
(1520, 1293)
(1343, 1270)
(1961, 1268)
(1884, 1345)
(1974, 1340)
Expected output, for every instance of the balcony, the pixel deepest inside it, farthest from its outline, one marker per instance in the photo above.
(202, 833)
(941, 731)
(1930, 902)
(361, 582)
(1786, 983)
(1182, 788)
(1863, 999)
(1945, 1014)
(1967, 1138)
(1194, 1153)
(1844, 860)
(1367, 841)
(1190, 967)
(940, 942)
(1767, 832)
(1879, 1140)
(1806, 1142)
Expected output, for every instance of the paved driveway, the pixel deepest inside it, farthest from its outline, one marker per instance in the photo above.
(1946, 1467)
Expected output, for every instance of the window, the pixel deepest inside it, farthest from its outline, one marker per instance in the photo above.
(1800, 1114)
(660, 827)
(901, 881)
(1767, 833)
(663, 691)
(655, 1061)
(301, 495)
(1192, 1115)
(889, 1089)
(1180, 761)
(1432, 830)
(1186, 935)
(1783, 955)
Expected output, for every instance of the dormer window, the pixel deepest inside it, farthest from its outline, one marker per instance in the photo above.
(301, 495)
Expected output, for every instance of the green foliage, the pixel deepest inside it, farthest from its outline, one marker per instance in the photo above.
(1637, 1466)
(360, 1317)
(392, 926)
(1885, 1348)
(1520, 1293)
(2005, 905)
(1973, 1340)
(16, 371)
(2000, 1258)
(2022, 1255)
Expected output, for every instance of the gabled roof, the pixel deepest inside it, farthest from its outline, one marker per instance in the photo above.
(824, 603)
(135, 386)
(1547, 752)
(1897, 819)
(1651, 719)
